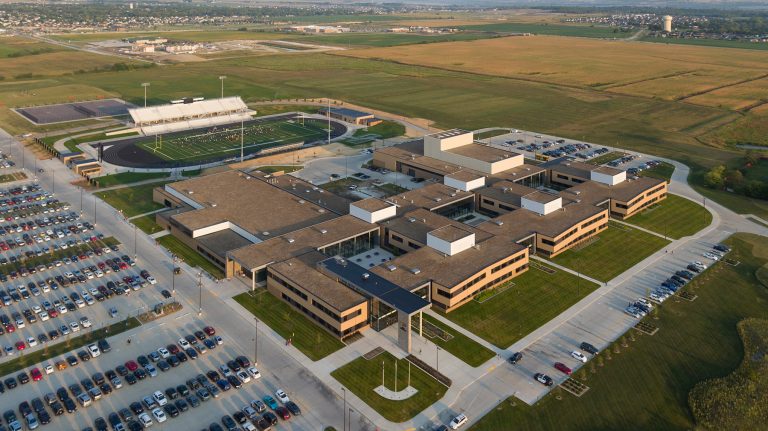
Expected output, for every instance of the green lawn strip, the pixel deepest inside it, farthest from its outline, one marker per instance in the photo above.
(385, 130)
(7, 178)
(191, 173)
(535, 298)
(286, 168)
(490, 134)
(575, 30)
(675, 217)
(362, 376)
(728, 402)
(605, 158)
(147, 224)
(392, 189)
(189, 255)
(662, 171)
(614, 251)
(460, 346)
(341, 185)
(264, 110)
(305, 334)
(646, 386)
(132, 201)
(127, 178)
(65, 346)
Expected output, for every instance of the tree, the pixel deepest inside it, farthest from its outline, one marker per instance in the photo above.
(734, 178)
(714, 178)
(751, 157)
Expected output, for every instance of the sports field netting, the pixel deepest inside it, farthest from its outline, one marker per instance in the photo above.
(225, 142)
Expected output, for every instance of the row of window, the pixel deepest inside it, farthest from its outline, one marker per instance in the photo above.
(401, 240)
(314, 317)
(498, 268)
(285, 284)
(593, 221)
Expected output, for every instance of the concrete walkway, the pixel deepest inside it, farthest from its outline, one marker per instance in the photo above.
(146, 214)
(634, 226)
(568, 270)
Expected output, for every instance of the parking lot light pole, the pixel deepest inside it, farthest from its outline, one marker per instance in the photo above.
(53, 183)
(256, 343)
(173, 277)
(95, 210)
(145, 85)
(81, 201)
(200, 285)
(345, 407)
(222, 78)
(135, 252)
(437, 359)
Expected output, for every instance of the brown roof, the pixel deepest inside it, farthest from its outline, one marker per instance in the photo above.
(302, 270)
(416, 224)
(516, 174)
(541, 197)
(594, 192)
(372, 204)
(571, 167)
(607, 170)
(445, 270)
(450, 233)
(465, 175)
(256, 206)
(301, 241)
(520, 223)
(482, 152)
(306, 191)
(431, 196)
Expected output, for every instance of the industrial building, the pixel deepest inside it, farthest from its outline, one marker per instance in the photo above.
(350, 266)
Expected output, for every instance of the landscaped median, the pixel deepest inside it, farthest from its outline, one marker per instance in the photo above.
(304, 334)
(522, 305)
(613, 251)
(647, 385)
(47, 352)
(362, 376)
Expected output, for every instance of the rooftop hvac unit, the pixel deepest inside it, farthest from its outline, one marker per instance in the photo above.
(291, 240)
(302, 201)
(265, 233)
(415, 271)
(437, 199)
(453, 195)
(366, 276)
(323, 231)
(498, 223)
(391, 267)
(411, 219)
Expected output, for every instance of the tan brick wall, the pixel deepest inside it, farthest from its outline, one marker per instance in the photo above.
(571, 237)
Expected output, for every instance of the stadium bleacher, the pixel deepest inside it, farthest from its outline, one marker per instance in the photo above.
(155, 120)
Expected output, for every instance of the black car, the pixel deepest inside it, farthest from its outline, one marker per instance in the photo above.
(174, 360)
(235, 381)
(200, 335)
(223, 384)
(114, 420)
(106, 389)
(243, 361)
(70, 405)
(23, 378)
(182, 357)
(140, 374)
(98, 378)
(234, 366)
(44, 418)
(193, 401)
(543, 379)
(213, 375)
(192, 353)
(293, 408)
(722, 247)
(122, 370)
(163, 365)
(684, 274)
(84, 356)
(142, 360)
(62, 394)
(515, 358)
(131, 379)
(181, 404)
(172, 393)
(104, 346)
(228, 422)
(100, 424)
(193, 384)
(240, 417)
(126, 414)
(11, 383)
(171, 410)
(693, 268)
(136, 408)
(270, 417)
(57, 408)
(183, 390)
(592, 350)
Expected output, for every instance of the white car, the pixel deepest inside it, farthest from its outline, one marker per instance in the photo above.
(254, 372)
(700, 265)
(75, 326)
(44, 316)
(164, 353)
(159, 398)
(145, 420)
(645, 302)
(36, 309)
(31, 341)
(62, 309)
(579, 356)
(184, 344)
(159, 415)
(151, 280)
(282, 396)
(48, 368)
(243, 375)
(709, 255)
(458, 421)
(85, 322)
(218, 340)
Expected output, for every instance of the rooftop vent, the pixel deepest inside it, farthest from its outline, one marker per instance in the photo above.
(301, 201)
(411, 219)
(321, 210)
(453, 195)
(323, 231)
(366, 276)
(291, 240)
(265, 233)
(415, 271)
(190, 192)
(391, 267)
(438, 199)
(498, 223)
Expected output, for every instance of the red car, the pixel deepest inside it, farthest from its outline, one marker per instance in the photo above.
(9, 328)
(209, 331)
(132, 366)
(20, 345)
(283, 413)
(174, 349)
(36, 375)
(562, 367)
(53, 313)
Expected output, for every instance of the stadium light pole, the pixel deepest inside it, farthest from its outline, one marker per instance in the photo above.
(222, 78)
(145, 85)
(242, 139)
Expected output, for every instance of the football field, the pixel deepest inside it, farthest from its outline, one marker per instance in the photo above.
(204, 144)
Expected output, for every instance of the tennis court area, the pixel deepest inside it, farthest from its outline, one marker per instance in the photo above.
(222, 142)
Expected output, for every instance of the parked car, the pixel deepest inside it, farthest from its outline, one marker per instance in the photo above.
(589, 348)
(458, 421)
(543, 379)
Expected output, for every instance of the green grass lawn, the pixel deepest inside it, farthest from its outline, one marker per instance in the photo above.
(187, 254)
(306, 335)
(362, 376)
(607, 157)
(460, 346)
(132, 200)
(264, 110)
(392, 189)
(385, 130)
(675, 217)
(341, 185)
(535, 298)
(662, 171)
(127, 178)
(391, 39)
(646, 386)
(147, 224)
(285, 168)
(65, 346)
(16, 176)
(615, 250)
(551, 29)
(490, 134)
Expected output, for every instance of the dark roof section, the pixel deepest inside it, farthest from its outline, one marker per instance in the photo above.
(347, 112)
(373, 285)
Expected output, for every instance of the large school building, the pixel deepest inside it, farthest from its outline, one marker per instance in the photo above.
(350, 266)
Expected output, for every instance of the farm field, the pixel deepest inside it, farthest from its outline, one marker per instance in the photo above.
(15, 47)
(697, 341)
(553, 29)
(741, 96)
(611, 64)
(207, 145)
(392, 39)
(708, 42)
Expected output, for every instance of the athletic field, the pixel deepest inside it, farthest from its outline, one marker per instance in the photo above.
(223, 142)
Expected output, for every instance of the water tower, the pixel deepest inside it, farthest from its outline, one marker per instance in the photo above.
(667, 24)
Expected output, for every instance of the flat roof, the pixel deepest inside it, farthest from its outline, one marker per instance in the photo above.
(374, 285)
(483, 152)
(569, 166)
(222, 241)
(607, 170)
(416, 224)
(347, 112)
(541, 197)
(301, 241)
(302, 270)
(521, 223)
(372, 204)
(306, 191)
(465, 176)
(431, 196)
(507, 192)
(449, 133)
(259, 208)
(417, 267)
(516, 174)
(594, 192)
(450, 233)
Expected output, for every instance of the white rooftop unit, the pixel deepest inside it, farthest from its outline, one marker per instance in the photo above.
(450, 240)
(372, 210)
(609, 178)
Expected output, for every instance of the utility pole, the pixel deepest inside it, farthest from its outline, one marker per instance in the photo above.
(242, 138)
(95, 210)
(200, 299)
(173, 275)
(329, 121)
(81, 201)
(222, 78)
(145, 85)
(53, 182)
(345, 406)
(437, 359)
(135, 252)
(256, 343)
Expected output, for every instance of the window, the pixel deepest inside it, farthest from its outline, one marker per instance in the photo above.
(562, 177)
(397, 238)
(506, 207)
(488, 202)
